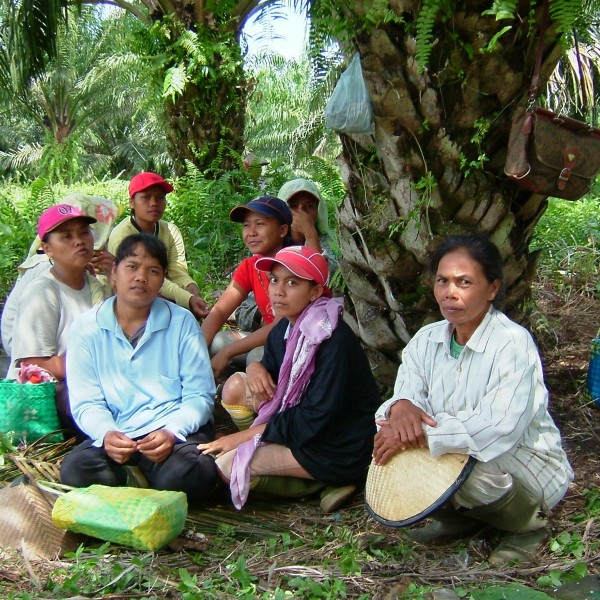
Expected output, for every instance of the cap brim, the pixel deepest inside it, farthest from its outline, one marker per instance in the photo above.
(166, 187)
(266, 264)
(413, 484)
(89, 220)
(238, 213)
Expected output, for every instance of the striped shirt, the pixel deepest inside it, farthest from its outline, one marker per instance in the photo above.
(490, 402)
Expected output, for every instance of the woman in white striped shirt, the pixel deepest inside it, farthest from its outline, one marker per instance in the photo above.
(473, 384)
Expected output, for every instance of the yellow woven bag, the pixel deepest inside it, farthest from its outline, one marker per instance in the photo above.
(140, 518)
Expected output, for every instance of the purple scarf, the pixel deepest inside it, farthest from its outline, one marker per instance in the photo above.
(314, 325)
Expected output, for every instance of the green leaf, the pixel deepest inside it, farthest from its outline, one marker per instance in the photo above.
(513, 591)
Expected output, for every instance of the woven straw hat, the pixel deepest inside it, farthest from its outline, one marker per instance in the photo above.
(413, 484)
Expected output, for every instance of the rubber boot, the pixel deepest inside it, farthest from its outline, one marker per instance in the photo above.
(333, 498)
(242, 416)
(518, 514)
(518, 547)
(285, 487)
(135, 477)
(515, 511)
(447, 524)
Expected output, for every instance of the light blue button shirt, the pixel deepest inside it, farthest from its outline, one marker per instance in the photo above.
(166, 381)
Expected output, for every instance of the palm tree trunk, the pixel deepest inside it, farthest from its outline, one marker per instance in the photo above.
(434, 166)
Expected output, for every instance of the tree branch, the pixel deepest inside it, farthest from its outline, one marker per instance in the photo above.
(127, 6)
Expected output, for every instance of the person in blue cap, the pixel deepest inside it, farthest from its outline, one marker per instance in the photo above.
(266, 225)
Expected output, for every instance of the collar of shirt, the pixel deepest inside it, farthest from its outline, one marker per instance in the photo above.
(159, 317)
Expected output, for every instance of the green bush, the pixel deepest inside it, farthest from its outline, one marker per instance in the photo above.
(568, 238)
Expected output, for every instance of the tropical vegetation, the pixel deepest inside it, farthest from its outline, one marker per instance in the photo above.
(92, 93)
(444, 79)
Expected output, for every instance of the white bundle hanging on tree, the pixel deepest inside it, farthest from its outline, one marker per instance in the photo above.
(349, 109)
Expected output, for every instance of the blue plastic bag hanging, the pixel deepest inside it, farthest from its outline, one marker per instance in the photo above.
(349, 109)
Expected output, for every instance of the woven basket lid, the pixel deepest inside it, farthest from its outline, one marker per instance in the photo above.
(413, 484)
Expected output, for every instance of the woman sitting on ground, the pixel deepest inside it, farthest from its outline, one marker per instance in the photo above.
(142, 387)
(313, 390)
(473, 384)
(54, 298)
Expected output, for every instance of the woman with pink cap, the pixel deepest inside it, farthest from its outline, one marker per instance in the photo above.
(313, 391)
(56, 297)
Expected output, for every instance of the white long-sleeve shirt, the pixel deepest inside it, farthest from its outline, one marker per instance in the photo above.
(490, 402)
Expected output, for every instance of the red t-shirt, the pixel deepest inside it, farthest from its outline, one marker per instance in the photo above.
(253, 280)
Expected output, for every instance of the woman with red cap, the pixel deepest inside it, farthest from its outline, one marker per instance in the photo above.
(56, 297)
(313, 391)
(148, 200)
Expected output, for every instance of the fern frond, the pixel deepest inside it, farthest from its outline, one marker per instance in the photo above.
(566, 13)
(426, 20)
(502, 9)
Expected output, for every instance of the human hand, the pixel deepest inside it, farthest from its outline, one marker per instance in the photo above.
(102, 261)
(219, 363)
(224, 444)
(303, 226)
(403, 430)
(198, 307)
(260, 382)
(119, 447)
(157, 446)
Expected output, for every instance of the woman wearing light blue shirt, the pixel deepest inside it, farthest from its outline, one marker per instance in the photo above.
(141, 384)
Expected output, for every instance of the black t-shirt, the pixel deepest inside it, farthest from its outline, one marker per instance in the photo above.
(330, 431)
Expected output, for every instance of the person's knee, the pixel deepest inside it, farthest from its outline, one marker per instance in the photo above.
(223, 339)
(187, 471)
(81, 469)
(234, 391)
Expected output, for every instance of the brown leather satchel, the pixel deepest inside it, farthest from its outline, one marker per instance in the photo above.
(552, 154)
(548, 153)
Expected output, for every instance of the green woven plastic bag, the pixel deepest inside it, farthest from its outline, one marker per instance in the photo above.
(140, 518)
(29, 409)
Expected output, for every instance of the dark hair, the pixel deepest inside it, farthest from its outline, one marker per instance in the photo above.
(481, 250)
(153, 246)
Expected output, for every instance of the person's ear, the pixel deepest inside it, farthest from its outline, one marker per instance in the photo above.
(283, 230)
(131, 202)
(113, 276)
(47, 248)
(494, 290)
(316, 292)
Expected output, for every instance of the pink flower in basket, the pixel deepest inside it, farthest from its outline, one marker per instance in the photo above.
(33, 374)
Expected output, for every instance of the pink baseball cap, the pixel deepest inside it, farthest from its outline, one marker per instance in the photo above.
(143, 181)
(302, 261)
(52, 217)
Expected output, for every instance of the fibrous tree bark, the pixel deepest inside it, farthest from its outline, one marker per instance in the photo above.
(433, 166)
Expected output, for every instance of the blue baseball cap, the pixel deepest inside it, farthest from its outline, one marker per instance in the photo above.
(269, 206)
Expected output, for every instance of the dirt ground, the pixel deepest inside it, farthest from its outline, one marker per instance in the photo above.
(566, 331)
(564, 328)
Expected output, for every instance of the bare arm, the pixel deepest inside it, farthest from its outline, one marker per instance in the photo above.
(230, 442)
(231, 298)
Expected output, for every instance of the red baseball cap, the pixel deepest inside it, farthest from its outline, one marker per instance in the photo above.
(302, 261)
(143, 181)
(52, 217)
